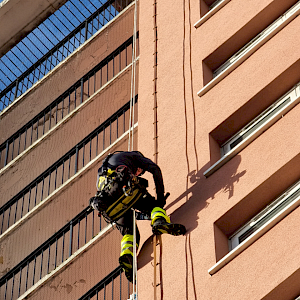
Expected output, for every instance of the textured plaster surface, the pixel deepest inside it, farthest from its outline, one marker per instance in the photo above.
(184, 124)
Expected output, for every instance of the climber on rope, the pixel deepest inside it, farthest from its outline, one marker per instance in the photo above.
(120, 188)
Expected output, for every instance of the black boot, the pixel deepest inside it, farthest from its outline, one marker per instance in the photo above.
(126, 262)
(161, 226)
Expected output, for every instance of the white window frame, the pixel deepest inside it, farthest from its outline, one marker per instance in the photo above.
(264, 221)
(256, 127)
(239, 57)
(215, 7)
(273, 210)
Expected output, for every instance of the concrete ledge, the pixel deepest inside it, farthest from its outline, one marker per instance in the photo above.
(67, 262)
(241, 247)
(295, 99)
(211, 13)
(294, 12)
(68, 183)
(61, 122)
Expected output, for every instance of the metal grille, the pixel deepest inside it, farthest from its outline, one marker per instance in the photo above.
(61, 107)
(114, 286)
(67, 166)
(50, 254)
(51, 42)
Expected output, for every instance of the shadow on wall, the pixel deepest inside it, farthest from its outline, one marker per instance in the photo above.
(197, 198)
(203, 190)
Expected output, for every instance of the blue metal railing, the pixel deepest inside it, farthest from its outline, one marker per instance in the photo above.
(51, 254)
(61, 107)
(61, 51)
(67, 166)
(114, 286)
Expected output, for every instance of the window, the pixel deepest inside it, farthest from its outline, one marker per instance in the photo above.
(216, 3)
(212, 9)
(240, 56)
(260, 37)
(253, 129)
(260, 224)
(268, 217)
(265, 119)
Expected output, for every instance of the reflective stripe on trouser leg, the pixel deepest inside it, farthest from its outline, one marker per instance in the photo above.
(158, 212)
(127, 244)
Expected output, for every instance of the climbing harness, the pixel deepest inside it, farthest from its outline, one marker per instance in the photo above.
(118, 184)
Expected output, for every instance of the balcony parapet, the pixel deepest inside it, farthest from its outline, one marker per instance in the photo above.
(66, 104)
(63, 171)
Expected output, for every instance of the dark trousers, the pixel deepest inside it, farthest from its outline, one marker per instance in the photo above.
(144, 205)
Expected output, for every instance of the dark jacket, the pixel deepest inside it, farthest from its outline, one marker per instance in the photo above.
(134, 160)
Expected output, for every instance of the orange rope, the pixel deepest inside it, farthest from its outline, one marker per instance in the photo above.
(155, 127)
(155, 263)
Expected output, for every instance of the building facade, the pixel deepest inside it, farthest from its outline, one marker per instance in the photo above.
(59, 119)
(217, 88)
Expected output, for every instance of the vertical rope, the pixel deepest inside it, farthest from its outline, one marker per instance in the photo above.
(134, 66)
(154, 264)
(130, 143)
(133, 80)
(155, 126)
(134, 288)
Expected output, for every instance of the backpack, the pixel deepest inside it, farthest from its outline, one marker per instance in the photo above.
(118, 191)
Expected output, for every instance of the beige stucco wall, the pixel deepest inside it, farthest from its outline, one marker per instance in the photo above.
(247, 182)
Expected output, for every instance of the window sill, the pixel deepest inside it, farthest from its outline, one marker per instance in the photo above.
(210, 13)
(229, 155)
(245, 244)
(295, 99)
(252, 48)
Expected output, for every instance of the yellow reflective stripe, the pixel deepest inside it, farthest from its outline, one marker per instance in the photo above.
(110, 171)
(102, 179)
(130, 244)
(127, 237)
(123, 204)
(126, 246)
(126, 251)
(101, 182)
(158, 212)
(127, 241)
